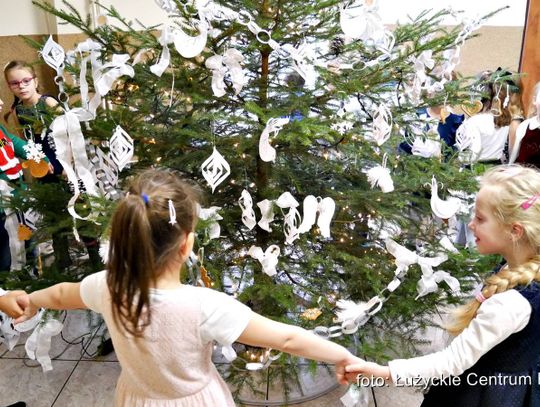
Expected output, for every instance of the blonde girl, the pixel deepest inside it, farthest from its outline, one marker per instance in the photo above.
(162, 330)
(493, 360)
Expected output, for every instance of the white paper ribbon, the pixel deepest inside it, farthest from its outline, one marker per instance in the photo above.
(292, 218)
(71, 153)
(165, 58)
(11, 224)
(38, 344)
(111, 71)
(356, 396)
(405, 258)
(428, 283)
(248, 214)
(268, 258)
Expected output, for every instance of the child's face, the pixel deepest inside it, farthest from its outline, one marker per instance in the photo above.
(491, 236)
(22, 83)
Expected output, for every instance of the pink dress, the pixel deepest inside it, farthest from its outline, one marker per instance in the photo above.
(170, 366)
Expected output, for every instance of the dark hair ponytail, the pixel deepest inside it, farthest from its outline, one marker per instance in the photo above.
(143, 242)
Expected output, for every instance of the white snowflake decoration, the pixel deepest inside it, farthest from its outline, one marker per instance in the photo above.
(53, 54)
(215, 169)
(121, 148)
(34, 151)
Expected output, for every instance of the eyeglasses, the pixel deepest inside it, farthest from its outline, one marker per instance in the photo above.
(24, 82)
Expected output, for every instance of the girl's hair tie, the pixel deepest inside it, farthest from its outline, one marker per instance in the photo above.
(529, 202)
(145, 199)
(480, 297)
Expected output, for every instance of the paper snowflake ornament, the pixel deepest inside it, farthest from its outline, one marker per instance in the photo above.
(53, 54)
(34, 151)
(121, 148)
(215, 169)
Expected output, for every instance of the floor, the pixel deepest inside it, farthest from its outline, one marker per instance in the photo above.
(79, 378)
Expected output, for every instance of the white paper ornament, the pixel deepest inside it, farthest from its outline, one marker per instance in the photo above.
(426, 148)
(382, 124)
(380, 176)
(53, 54)
(168, 5)
(211, 214)
(121, 148)
(105, 171)
(248, 214)
(215, 169)
(268, 258)
(267, 214)
(34, 151)
(273, 125)
(189, 46)
(443, 209)
(215, 64)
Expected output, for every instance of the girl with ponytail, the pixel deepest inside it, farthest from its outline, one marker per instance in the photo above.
(162, 330)
(494, 359)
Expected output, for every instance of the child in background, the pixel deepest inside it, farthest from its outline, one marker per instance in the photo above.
(499, 330)
(525, 148)
(31, 108)
(162, 330)
(33, 112)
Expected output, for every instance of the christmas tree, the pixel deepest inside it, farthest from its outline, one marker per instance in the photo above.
(306, 104)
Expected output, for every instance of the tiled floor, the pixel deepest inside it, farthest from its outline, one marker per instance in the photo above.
(80, 379)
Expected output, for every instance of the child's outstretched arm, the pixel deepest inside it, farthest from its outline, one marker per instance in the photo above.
(8, 303)
(368, 369)
(59, 296)
(264, 332)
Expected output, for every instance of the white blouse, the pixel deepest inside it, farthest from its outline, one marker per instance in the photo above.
(498, 317)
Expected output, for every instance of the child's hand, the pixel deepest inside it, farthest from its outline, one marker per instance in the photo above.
(9, 304)
(341, 374)
(29, 309)
(368, 369)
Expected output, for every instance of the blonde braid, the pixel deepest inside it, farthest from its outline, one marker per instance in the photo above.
(506, 279)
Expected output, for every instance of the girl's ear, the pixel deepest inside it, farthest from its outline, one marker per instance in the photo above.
(187, 245)
(517, 231)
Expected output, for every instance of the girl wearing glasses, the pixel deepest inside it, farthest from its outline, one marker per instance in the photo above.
(32, 110)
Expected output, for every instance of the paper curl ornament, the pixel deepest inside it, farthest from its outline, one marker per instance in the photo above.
(215, 169)
(248, 214)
